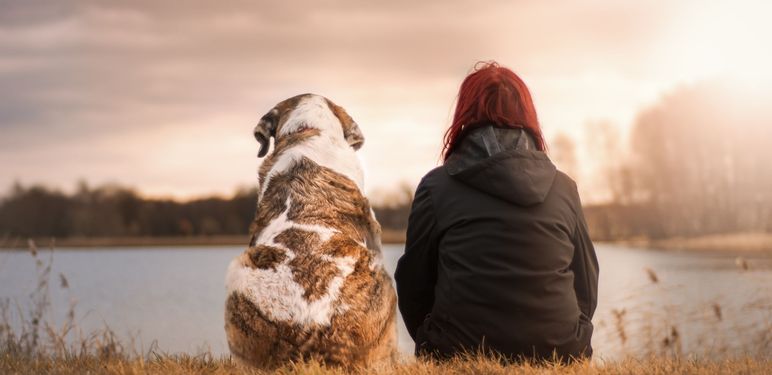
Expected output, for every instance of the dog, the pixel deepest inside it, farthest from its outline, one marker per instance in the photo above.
(311, 285)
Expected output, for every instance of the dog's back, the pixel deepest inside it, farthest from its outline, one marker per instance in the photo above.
(311, 285)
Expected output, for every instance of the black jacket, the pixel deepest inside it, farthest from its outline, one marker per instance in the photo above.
(498, 256)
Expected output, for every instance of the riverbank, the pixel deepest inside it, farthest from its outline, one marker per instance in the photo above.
(107, 242)
(749, 242)
(387, 237)
(758, 243)
(185, 364)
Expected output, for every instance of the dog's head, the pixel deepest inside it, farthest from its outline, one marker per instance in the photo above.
(303, 112)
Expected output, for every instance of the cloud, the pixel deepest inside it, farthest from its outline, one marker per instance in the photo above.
(107, 81)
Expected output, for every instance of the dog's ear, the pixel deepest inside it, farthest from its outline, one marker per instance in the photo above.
(351, 130)
(266, 129)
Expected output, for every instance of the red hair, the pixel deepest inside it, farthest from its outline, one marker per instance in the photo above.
(492, 94)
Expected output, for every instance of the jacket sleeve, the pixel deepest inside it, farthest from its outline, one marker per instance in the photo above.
(585, 266)
(416, 272)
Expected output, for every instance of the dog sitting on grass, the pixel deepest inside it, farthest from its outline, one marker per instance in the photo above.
(311, 285)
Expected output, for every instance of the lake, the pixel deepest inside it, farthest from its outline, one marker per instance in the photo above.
(649, 301)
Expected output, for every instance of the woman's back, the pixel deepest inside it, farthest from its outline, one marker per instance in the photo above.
(498, 244)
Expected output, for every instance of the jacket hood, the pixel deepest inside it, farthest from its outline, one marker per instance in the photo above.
(503, 162)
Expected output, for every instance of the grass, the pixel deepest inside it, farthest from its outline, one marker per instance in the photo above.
(31, 343)
(185, 364)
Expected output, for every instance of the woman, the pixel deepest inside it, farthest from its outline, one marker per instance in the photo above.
(497, 257)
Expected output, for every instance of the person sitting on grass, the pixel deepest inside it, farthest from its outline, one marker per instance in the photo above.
(498, 258)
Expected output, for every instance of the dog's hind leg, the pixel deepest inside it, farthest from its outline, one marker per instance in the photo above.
(250, 336)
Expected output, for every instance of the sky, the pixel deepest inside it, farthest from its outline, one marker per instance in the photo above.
(163, 96)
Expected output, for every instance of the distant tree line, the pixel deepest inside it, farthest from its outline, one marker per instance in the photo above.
(698, 163)
(115, 211)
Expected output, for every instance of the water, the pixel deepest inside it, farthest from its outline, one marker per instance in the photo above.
(175, 295)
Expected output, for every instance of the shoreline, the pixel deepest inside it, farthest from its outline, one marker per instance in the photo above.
(388, 237)
(757, 243)
(739, 243)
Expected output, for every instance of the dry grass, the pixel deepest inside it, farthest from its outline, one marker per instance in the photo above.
(184, 364)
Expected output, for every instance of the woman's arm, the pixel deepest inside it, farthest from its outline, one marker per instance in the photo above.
(417, 269)
(585, 267)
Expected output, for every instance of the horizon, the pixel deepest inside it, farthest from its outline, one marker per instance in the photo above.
(163, 99)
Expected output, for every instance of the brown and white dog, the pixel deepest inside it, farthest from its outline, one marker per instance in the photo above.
(311, 285)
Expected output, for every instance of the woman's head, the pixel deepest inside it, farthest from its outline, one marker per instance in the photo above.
(492, 94)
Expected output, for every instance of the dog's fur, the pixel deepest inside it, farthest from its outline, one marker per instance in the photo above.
(311, 285)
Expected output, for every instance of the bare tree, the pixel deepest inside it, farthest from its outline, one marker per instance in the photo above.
(563, 153)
